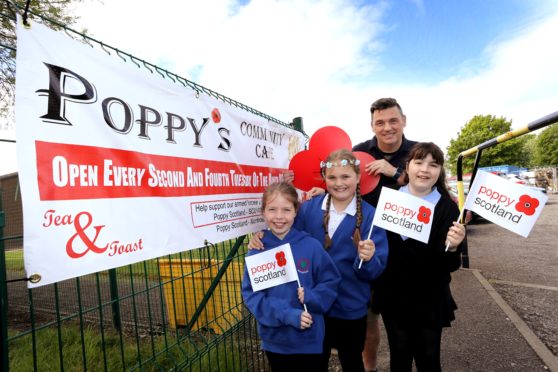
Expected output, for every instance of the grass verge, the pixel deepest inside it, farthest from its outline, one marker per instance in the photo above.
(71, 348)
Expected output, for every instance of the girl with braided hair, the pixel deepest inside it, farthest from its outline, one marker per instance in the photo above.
(346, 218)
(339, 219)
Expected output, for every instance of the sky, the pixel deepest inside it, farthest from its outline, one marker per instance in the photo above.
(445, 61)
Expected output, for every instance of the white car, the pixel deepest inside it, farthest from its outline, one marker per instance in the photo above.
(516, 179)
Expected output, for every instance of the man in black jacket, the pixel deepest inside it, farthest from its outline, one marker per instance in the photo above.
(388, 146)
(390, 149)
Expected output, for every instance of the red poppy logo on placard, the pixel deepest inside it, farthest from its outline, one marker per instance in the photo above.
(527, 205)
(280, 257)
(306, 164)
(216, 115)
(424, 215)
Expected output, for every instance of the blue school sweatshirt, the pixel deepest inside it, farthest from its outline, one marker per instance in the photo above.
(354, 291)
(278, 310)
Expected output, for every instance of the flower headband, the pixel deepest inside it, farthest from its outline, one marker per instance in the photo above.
(342, 163)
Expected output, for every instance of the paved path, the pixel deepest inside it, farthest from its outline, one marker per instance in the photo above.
(507, 318)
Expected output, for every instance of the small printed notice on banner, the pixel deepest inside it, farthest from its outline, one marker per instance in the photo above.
(404, 214)
(271, 268)
(511, 205)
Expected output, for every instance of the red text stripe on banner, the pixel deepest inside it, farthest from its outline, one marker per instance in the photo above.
(70, 172)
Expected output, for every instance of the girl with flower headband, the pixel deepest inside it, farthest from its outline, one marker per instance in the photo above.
(339, 219)
(413, 292)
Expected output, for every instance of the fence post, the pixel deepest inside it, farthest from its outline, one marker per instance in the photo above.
(115, 304)
(297, 124)
(3, 295)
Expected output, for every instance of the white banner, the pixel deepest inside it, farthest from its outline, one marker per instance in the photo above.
(506, 203)
(404, 214)
(118, 165)
(270, 268)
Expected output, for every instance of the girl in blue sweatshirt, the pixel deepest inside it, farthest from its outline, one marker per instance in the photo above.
(292, 337)
(340, 220)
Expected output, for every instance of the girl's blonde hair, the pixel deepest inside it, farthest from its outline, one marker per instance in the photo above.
(342, 158)
(284, 188)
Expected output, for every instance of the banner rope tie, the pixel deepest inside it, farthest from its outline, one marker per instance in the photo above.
(25, 13)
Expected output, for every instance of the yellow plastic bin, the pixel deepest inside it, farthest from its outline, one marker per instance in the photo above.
(187, 281)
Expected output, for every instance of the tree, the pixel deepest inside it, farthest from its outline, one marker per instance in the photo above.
(479, 130)
(530, 147)
(546, 150)
(56, 10)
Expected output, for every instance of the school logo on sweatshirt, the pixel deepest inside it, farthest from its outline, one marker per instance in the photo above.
(303, 265)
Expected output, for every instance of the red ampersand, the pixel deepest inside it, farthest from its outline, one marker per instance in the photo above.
(80, 231)
(527, 205)
(424, 215)
(281, 260)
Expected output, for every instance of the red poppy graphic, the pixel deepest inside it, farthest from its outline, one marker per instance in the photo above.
(216, 115)
(281, 260)
(527, 205)
(424, 214)
(306, 163)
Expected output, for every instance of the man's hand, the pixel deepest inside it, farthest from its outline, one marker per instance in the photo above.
(380, 166)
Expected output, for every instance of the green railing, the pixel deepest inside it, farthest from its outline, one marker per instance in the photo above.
(179, 312)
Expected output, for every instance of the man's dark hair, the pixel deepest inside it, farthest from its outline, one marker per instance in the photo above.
(385, 103)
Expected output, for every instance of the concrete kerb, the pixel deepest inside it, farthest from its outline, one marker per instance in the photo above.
(534, 342)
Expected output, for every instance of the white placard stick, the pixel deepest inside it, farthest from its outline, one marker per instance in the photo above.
(299, 286)
(369, 233)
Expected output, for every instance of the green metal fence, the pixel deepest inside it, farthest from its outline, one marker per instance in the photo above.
(179, 312)
(138, 317)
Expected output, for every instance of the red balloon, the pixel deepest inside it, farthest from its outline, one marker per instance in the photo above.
(328, 139)
(367, 182)
(306, 168)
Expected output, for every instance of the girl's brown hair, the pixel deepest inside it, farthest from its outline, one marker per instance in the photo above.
(420, 151)
(335, 159)
(284, 188)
